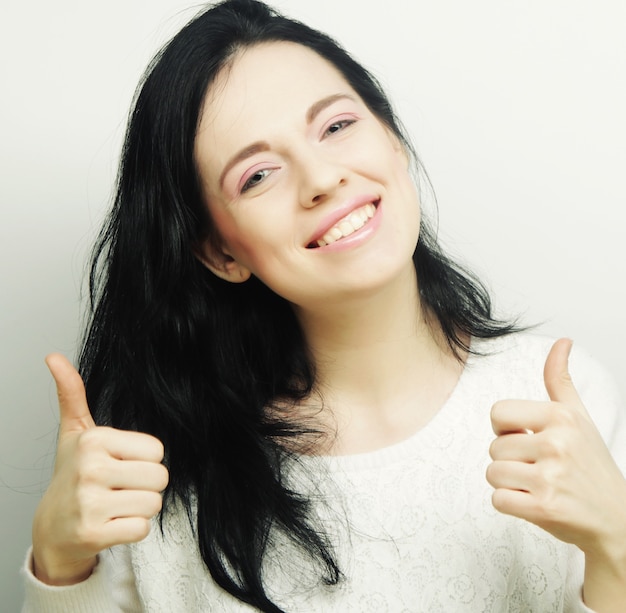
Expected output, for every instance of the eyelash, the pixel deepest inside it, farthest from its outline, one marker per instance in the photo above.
(249, 183)
(345, 123)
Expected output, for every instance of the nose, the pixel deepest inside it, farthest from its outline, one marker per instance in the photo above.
(320, 177)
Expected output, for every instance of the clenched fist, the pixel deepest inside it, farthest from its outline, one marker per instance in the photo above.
(105, 488)
(551, 467)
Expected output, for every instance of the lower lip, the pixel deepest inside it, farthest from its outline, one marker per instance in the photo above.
(362, 235)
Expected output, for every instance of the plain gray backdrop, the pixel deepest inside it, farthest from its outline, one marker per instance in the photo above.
(516, 108)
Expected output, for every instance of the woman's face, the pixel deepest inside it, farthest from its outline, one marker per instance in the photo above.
(307, 189)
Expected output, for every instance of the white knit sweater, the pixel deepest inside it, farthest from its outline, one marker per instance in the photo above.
(412, 524)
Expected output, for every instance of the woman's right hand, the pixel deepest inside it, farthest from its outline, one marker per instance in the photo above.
(105, 488)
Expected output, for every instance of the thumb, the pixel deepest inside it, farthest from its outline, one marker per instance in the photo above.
(557, 379)
(73, 408)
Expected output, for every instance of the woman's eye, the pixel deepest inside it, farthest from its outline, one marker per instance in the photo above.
(255, 179)
(337, 126)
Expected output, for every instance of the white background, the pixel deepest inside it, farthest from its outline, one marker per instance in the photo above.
(516, 108)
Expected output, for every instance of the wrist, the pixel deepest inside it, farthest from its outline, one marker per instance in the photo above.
(52, 571)
(605, 579)
(608, 551)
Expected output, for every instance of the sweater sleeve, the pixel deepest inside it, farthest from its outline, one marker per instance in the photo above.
(109, 589)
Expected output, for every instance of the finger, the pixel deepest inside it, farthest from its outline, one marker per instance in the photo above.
(130, 445)
(511, 475)
(509, 416)
(116, 504)
(132, 503)
(515, 447)
(557, 379)
(73, 408)
(514, 502)
(124, 530)
(146, 476)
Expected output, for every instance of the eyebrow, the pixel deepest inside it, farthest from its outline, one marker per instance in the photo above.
(314, 110)
(242, 155)
(320, 105)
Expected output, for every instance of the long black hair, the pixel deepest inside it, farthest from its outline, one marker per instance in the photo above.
(172, 350)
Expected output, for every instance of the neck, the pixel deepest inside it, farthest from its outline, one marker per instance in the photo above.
(383, 367)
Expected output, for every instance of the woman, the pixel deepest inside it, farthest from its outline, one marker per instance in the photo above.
(272, 317)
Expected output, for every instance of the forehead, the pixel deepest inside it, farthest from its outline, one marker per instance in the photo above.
(265, 87)
(268, 74)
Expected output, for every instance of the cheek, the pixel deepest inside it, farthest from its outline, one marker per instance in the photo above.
(227, 229)
(408, 194)
(400, 174)
(385, 156)
(245, 238)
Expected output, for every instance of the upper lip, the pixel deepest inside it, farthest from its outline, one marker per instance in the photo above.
(339, 213)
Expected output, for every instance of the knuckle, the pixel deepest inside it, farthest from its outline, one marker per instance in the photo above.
(164, 477)
(153, 446)
(499, 500)
(153, 503)
(555, 447)
(565, 417)
(88, 536)
(548, 506)
(90, 440)
(496, 409)
(491, 473)
(493, 448)
(548, 487)
(87, 503)
(159, 449)
(158, 503)
(142, 529)
(91, 472)
(550, 447)
(565, 378)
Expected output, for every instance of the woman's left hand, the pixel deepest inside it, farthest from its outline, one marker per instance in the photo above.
(551, 467)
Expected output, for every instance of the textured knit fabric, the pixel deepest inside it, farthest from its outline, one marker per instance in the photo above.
(412, 524)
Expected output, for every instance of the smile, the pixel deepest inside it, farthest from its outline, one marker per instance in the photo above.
(346, 226)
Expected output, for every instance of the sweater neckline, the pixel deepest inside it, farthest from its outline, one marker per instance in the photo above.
(443, 420)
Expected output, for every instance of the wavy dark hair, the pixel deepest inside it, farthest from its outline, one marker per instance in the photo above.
(172, 350)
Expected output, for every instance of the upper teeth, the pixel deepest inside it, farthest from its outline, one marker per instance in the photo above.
(349, 224)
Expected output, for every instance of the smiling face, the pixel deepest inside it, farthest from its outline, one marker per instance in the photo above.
(307, 189)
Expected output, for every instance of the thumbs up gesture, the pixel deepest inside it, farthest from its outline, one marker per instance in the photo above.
(105, 487)
(551, 467)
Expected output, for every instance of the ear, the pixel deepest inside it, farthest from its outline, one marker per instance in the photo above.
(221, 263)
